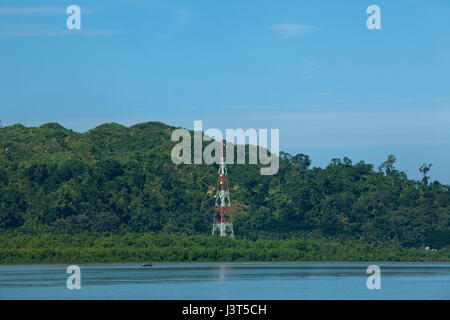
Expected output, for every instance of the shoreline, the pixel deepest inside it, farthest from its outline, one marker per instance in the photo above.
(227, 262)
(50, 249)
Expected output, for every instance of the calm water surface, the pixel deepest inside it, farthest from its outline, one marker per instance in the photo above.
(228, 281)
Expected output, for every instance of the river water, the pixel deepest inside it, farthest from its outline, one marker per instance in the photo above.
(228, 281)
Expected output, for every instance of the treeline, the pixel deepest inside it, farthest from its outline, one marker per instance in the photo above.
(118, 180)
(82, 248)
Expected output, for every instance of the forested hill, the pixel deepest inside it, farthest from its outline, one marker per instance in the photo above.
(114, 179)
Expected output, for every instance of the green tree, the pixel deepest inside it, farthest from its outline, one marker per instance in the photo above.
(424, 169)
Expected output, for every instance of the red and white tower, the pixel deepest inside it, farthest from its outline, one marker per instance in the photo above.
(222, 213)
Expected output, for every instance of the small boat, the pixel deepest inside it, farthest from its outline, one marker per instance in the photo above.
(147, 264)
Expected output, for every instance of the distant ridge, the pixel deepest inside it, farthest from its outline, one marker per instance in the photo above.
(119, 179)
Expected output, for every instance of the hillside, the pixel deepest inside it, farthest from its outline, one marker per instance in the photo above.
(116, 179)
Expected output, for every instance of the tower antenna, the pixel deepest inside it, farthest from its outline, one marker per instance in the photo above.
(222, 213)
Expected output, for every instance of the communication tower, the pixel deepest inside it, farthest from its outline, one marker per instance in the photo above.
(222, 213)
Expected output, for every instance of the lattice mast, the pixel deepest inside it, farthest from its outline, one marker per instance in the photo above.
(222, 213)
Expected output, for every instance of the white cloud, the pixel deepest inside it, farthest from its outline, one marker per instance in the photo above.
(441, 99)
(36, 30)
(32, 10)
(308, 66)
(241, 107)
(292, 30)
(181, 17)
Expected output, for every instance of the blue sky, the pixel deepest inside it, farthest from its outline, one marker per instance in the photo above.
(310, 68)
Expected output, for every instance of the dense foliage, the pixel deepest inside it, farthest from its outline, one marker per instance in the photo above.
(118, 180)
(160, 247)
